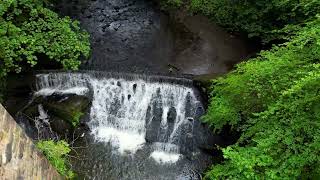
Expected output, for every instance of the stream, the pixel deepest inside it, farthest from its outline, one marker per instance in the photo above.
(143, 120)
(141, 127)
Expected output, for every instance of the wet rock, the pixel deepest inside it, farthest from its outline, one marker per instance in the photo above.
(153, 124)
(188, 106)
(187, 143)
(171, 117)
(19, 88)
(88, 15)
(31, 110)
(60, 126)
(101, 18)
(172, 114)
(205, 81)
(69, 109)
(134, 88)
(153, 129)
(63, 110)
(205, 139)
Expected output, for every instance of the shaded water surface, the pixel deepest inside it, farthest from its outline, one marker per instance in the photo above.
(126, 35)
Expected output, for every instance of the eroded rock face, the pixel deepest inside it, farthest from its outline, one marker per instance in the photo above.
(19, 158)
(55, 115)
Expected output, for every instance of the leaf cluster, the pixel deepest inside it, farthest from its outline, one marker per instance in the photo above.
(76, 116)
(30, 33)
(274, 101)
(171, 4)
(257, 18)
(56, 153)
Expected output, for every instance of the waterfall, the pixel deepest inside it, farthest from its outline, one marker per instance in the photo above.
(129, 111)
(42, 125)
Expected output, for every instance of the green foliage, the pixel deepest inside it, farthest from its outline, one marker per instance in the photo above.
(76, 116)
(30, 33)
(257, 17)
(274, 101)
(171, 4)
(56, 153)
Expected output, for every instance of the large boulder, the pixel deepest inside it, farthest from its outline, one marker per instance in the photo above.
(69, 108)
(59, 113)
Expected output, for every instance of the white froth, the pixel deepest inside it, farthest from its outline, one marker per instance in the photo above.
(163, 157)
(42, 113)
(123, 140)
(50, 91)
(120, 109)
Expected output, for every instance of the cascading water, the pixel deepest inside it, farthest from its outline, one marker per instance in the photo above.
(127, 113)
(42, 124)
(141, 127)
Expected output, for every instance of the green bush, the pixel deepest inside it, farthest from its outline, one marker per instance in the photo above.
(258, 18)
(274, 101)
(171, 4)
(56, 153)
(30, 33)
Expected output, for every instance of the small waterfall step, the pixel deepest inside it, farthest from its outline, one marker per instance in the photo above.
(129, 110)
(183, 79)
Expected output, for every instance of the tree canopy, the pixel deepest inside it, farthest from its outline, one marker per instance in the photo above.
(30, 33)
(257, 18)
(274, 101)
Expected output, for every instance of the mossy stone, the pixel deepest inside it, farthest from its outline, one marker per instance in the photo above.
(69, 108)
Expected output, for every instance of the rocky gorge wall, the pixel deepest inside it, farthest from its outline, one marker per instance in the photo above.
(19, 158)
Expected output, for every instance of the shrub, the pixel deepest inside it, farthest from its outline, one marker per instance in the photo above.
(274, 101)
(171, 4)
(56, 153)
(257, 18)
(30, 33)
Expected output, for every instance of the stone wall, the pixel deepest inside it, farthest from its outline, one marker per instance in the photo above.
(19, 158)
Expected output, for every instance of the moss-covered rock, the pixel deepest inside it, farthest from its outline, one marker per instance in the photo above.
(68, 108)
(65, 111)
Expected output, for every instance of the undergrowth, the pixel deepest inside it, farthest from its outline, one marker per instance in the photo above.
(56, 153)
